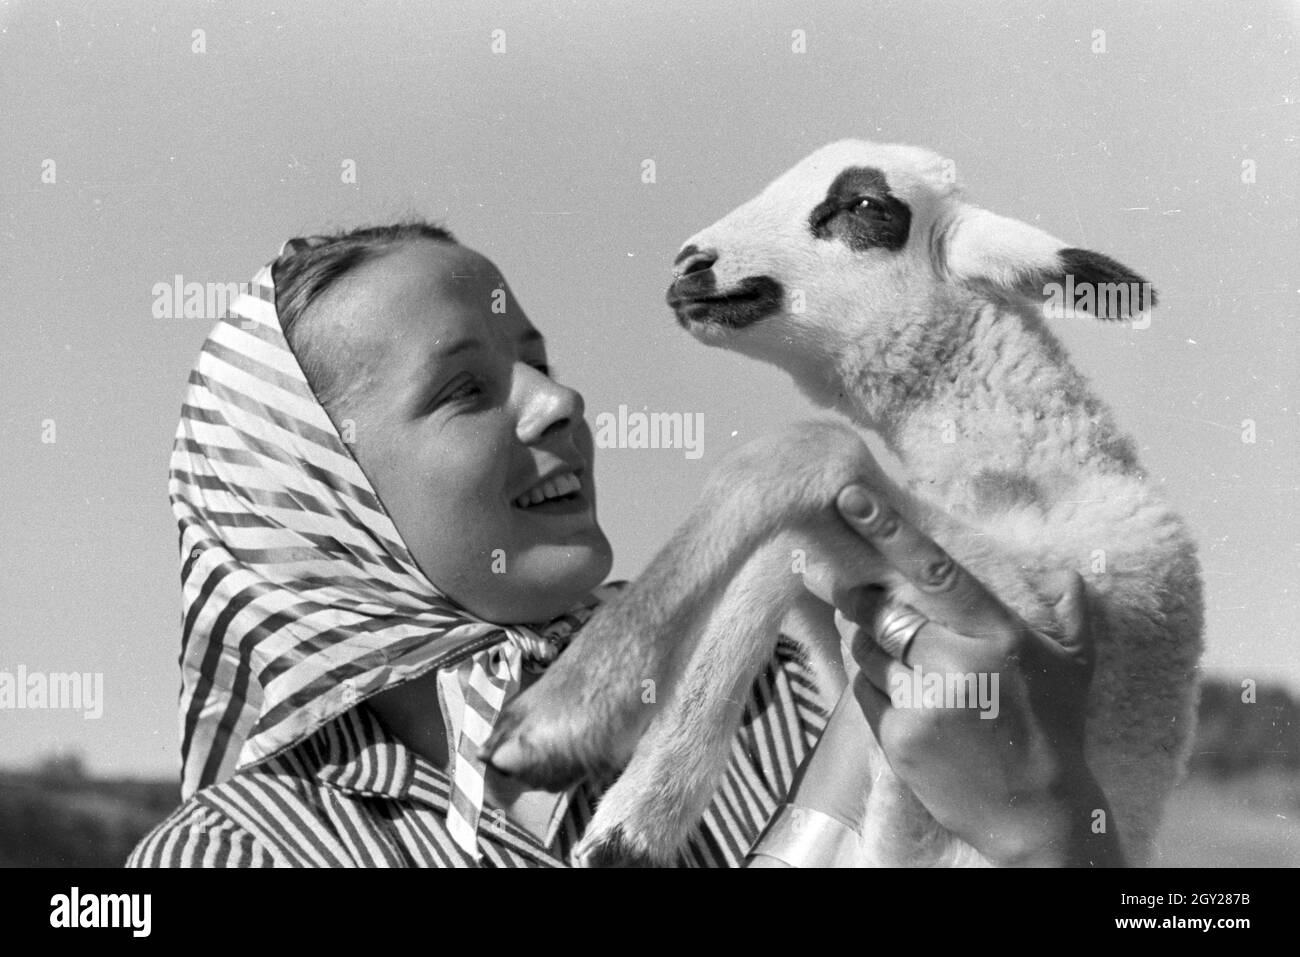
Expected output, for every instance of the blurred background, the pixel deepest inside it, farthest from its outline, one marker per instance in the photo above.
(149, 144)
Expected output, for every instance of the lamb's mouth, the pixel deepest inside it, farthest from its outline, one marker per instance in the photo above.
(697, 304)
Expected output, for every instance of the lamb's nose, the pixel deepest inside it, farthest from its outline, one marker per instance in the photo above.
(693, 259)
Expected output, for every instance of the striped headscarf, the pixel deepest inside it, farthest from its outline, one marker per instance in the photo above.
(300, 598)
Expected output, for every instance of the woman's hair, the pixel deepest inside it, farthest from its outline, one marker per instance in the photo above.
(310, 265)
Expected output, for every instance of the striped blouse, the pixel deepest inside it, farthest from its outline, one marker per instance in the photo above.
(352, 795)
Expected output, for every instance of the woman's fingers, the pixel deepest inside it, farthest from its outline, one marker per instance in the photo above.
(951, 594)
(1076, 615)
(878, 667)
(873, 702)
(861, 639)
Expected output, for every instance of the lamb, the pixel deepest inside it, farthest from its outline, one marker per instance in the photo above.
(889, 299)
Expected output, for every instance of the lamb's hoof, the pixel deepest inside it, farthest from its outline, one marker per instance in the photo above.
(535, 752)
(613, 850)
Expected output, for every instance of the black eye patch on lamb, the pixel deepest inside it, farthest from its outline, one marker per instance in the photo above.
(882, 223)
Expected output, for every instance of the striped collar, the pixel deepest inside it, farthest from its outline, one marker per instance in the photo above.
(356, 754)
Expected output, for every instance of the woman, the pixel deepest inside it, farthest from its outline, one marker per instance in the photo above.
(386, 502)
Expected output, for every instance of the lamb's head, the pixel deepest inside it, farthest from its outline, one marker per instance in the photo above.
(865, 244)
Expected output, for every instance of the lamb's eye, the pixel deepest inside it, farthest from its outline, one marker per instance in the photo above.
(860, 211)
(869, 206)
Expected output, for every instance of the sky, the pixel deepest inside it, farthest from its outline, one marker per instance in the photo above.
(145, 141)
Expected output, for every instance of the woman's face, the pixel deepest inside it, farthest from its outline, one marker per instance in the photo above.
(461, 430)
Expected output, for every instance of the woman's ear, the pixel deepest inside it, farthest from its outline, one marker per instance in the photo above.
(1015, 259)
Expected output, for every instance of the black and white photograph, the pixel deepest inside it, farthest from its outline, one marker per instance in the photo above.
(650, 435)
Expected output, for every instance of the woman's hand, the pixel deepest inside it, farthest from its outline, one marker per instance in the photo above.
(1006, 773)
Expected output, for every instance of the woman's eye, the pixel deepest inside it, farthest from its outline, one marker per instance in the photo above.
(468, 390)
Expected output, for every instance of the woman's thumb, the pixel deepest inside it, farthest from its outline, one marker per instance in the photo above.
(1075, 613)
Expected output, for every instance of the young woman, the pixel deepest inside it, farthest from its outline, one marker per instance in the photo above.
(388, 526)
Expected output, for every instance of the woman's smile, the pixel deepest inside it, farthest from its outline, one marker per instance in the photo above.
(558, 493)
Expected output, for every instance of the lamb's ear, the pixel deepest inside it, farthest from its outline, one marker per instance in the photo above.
(1016, 259)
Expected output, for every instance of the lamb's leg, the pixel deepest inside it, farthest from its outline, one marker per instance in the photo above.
(647, 815)
(587, 712)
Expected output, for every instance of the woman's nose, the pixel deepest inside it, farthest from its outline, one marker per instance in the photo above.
(549, 407)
